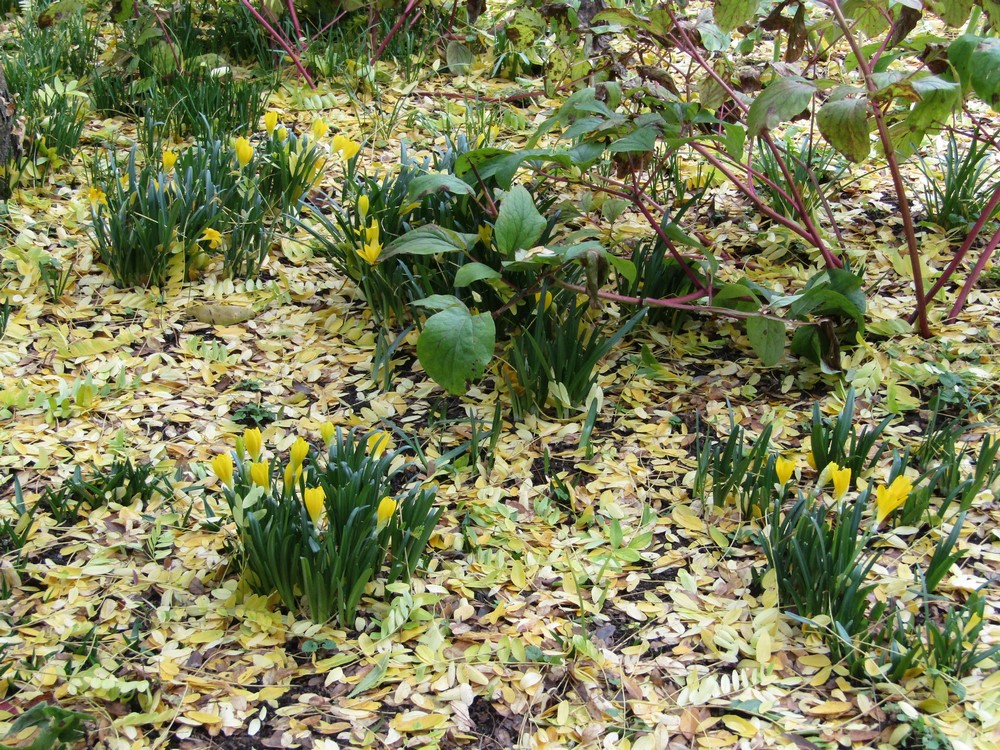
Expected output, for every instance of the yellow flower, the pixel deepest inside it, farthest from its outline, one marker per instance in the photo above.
(841, 480)
(259, 473)
(363, 204)
(548, 300)
(169, 159)
(370, 253)
(784, 467)
(300, 449)
(270, 121)
(888, 498)
(319, 129)
(485, 233)
(222, 467)
(314, 498)
(385, 510)
(291, 474)
(377, 443)
(327, 430)
(213, 236)
(282, 133)
(97, 196)
(811, 460)
(253, 441)
(371, 233)
(345, 146)
(244, 151)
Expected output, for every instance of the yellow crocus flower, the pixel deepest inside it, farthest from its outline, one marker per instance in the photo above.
(253, 441)
(385, 510)
(213, 236)
(260, 474)
(244, 151)
(370, 253)
(327, 430)
(300, 449)
(377, 443)
(345, 146)
(222, 467)
(319, 129)
(314, 499)
(97, 196)
(169, 159)
(270, 121)
(372, 233)
(784, 467)
(841, 480)
(363, 205)
(888, 498)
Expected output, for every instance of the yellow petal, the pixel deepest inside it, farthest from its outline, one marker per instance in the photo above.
(363, 205)
(244, 151)
(259, 473)
(222, 466)
(385, 510)
(314, 498)
(784, 468)
(270, 121)
(253, 441)
(300, 449)
(377, 443)
(327, 430)
(841, 480)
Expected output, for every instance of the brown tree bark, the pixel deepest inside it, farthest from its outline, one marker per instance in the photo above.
(10, 143)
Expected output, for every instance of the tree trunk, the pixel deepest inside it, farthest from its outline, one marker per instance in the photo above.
(10, 144)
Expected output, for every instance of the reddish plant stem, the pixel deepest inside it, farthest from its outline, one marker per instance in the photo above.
(395, 28)
(808, 230)
(970, 282)
(956, 261)
(316, 36)
(280, 39)
(299, 36)
(893, 165)
(677, 303)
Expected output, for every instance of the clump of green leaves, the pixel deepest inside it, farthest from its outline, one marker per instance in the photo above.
(553, 362)
(122, 482)
(955, 194)
(839, 441)
(318, 531)
(733, 471)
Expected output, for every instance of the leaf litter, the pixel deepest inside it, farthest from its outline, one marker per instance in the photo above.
(616, 612)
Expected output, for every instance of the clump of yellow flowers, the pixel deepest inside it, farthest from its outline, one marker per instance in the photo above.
(317, 527)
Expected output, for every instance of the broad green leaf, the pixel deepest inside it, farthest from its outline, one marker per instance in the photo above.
(952, 12)
(730, 14)
(938, 99)
(844, 124)
(426, 184)
(455, 346)
(519, 224)
(977, 61)
(459, 58)
(641, 140)
(767, 337)
(472, 272)
(736, 297)
(439, 302)
(781, 101)
(428, 240)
